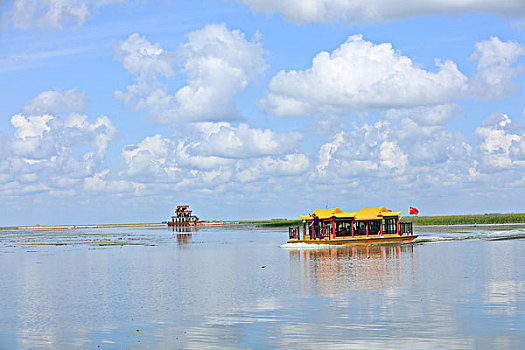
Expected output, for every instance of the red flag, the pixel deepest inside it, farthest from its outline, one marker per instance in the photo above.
(413, 211)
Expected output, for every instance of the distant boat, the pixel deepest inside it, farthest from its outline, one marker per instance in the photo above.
(183, 217)
(369, 226)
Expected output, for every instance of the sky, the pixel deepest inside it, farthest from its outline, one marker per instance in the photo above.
(117, 111)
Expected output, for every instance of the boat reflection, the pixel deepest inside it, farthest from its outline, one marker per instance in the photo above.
(184, 233)
(184, 238)
(183, 229)
(337, 270)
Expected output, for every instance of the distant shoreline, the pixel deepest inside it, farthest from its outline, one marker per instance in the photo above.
(480, 219)
(74, 227)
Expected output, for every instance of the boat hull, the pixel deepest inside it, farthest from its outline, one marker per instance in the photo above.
(356, 241)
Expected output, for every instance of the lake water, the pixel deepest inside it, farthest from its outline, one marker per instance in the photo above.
(237, 287)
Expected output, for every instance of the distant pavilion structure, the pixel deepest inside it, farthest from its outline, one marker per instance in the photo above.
(183, 217)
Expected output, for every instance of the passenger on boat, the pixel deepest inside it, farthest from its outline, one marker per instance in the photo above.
(316, 226)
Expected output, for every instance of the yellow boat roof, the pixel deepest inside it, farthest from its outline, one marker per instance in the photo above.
(362, 215)
(322, 214)
(375, 214)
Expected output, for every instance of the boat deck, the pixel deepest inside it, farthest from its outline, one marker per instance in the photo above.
(358, 240)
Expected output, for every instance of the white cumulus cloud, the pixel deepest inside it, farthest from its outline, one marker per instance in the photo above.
(54, 14)
(53, 151)
(99, 183)
(52, 102)
(361, 75)
(271, 167)
(32, 126)
(497, 136)
(438, 115)
(151, 158)
(359, 11)
(407, 150)
(366, 151)
(244, 142)
(218, 64)
(494, 78)
(143, 58)
(214, 155)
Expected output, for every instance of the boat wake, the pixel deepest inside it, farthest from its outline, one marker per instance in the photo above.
(484, 236)
(430, 239)
(308, 246)
(506, 237)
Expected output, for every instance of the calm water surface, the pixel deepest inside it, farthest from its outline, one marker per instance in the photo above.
(237, 287)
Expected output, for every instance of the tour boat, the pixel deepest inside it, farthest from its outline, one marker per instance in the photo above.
(369, 226)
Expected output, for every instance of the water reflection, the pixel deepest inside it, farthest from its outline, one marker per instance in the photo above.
(216, 294)
(337, 270)
(503, 291)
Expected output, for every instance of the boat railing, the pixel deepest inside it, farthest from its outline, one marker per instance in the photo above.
(293, 232)
(405, 228)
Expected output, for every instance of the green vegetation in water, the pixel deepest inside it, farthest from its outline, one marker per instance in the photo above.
(281, 223)
(272, 223)
(466, 219)
(81, 226)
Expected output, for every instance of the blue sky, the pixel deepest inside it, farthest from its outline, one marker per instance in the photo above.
(117, 111)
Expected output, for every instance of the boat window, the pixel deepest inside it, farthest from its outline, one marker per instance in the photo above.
(309, 228)
(389, 226)
(360, 228)
(343, 228)
(374, 227)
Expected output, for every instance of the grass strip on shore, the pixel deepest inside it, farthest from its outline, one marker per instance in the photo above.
(481, 219)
